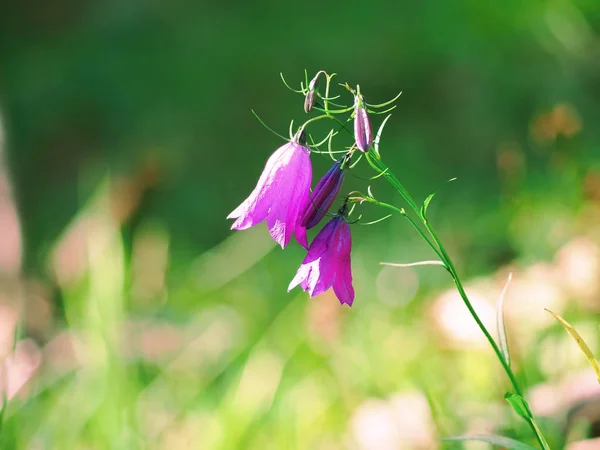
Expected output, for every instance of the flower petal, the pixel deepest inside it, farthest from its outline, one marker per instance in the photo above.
(255, 208)
(300, 234)
(289, 196)
(320, 244)
(342, 285)
(327, 263)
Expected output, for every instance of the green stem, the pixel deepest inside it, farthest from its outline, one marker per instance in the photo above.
(412, 222)
(379, 166)
(467, 302)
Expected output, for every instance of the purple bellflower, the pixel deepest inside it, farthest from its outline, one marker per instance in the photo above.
(363, 134)
(281, 194)
(324, 194)
(327, 263)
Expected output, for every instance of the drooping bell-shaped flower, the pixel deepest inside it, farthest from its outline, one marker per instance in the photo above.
(280, 195)
(363, 134)
(327, 263)
(324, 194)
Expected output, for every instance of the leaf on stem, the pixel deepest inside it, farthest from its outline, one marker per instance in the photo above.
(378, 135)
(426, 204)
(267, 127)
(520, 406)
(580, 342)
(428, 201)
(389, 102)
(500, 328)
(494, 439)
(373, 222)
(288, 86)
(370, 192)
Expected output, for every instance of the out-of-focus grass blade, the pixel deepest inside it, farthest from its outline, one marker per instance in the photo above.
(580, 342)
(501, 329)
(500, 441)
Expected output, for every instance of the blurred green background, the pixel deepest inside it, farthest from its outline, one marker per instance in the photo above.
(132, 317)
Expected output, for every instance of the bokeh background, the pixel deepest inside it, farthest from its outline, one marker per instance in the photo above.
(132, 317)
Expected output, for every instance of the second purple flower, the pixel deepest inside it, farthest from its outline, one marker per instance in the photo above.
(327, 263)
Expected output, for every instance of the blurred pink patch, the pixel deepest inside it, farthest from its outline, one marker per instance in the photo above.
(325, 317)
(404, 421)
(578, 263)
(61, 352)
(589, 444)
(10, 244)
(10, 230)
(550, 399)
(19, 367)
(454, 321)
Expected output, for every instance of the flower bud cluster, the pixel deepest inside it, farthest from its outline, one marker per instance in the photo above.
(284, 200)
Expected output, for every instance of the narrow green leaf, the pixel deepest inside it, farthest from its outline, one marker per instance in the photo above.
(378, 135)
(500, 328)
(426, 204)
(418, 263)
(381, 105)
(373, 222)
(267, 126)
(428, 200)
(580, 342)
(519, 404)
(288, 86)
(494, 439)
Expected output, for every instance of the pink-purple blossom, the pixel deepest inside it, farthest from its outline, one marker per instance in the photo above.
(327, 263)
(281, 195)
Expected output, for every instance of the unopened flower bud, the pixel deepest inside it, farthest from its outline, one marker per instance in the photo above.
(324, 194)
(309, 100)
(363, 134)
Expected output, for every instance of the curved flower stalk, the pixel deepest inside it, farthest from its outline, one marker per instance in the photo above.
(327, 263)
(281, 194)
(324, 193)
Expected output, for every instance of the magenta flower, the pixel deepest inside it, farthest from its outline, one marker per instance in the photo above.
(363, 134)
(324, 194)
(328, 263)
(281, 194)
